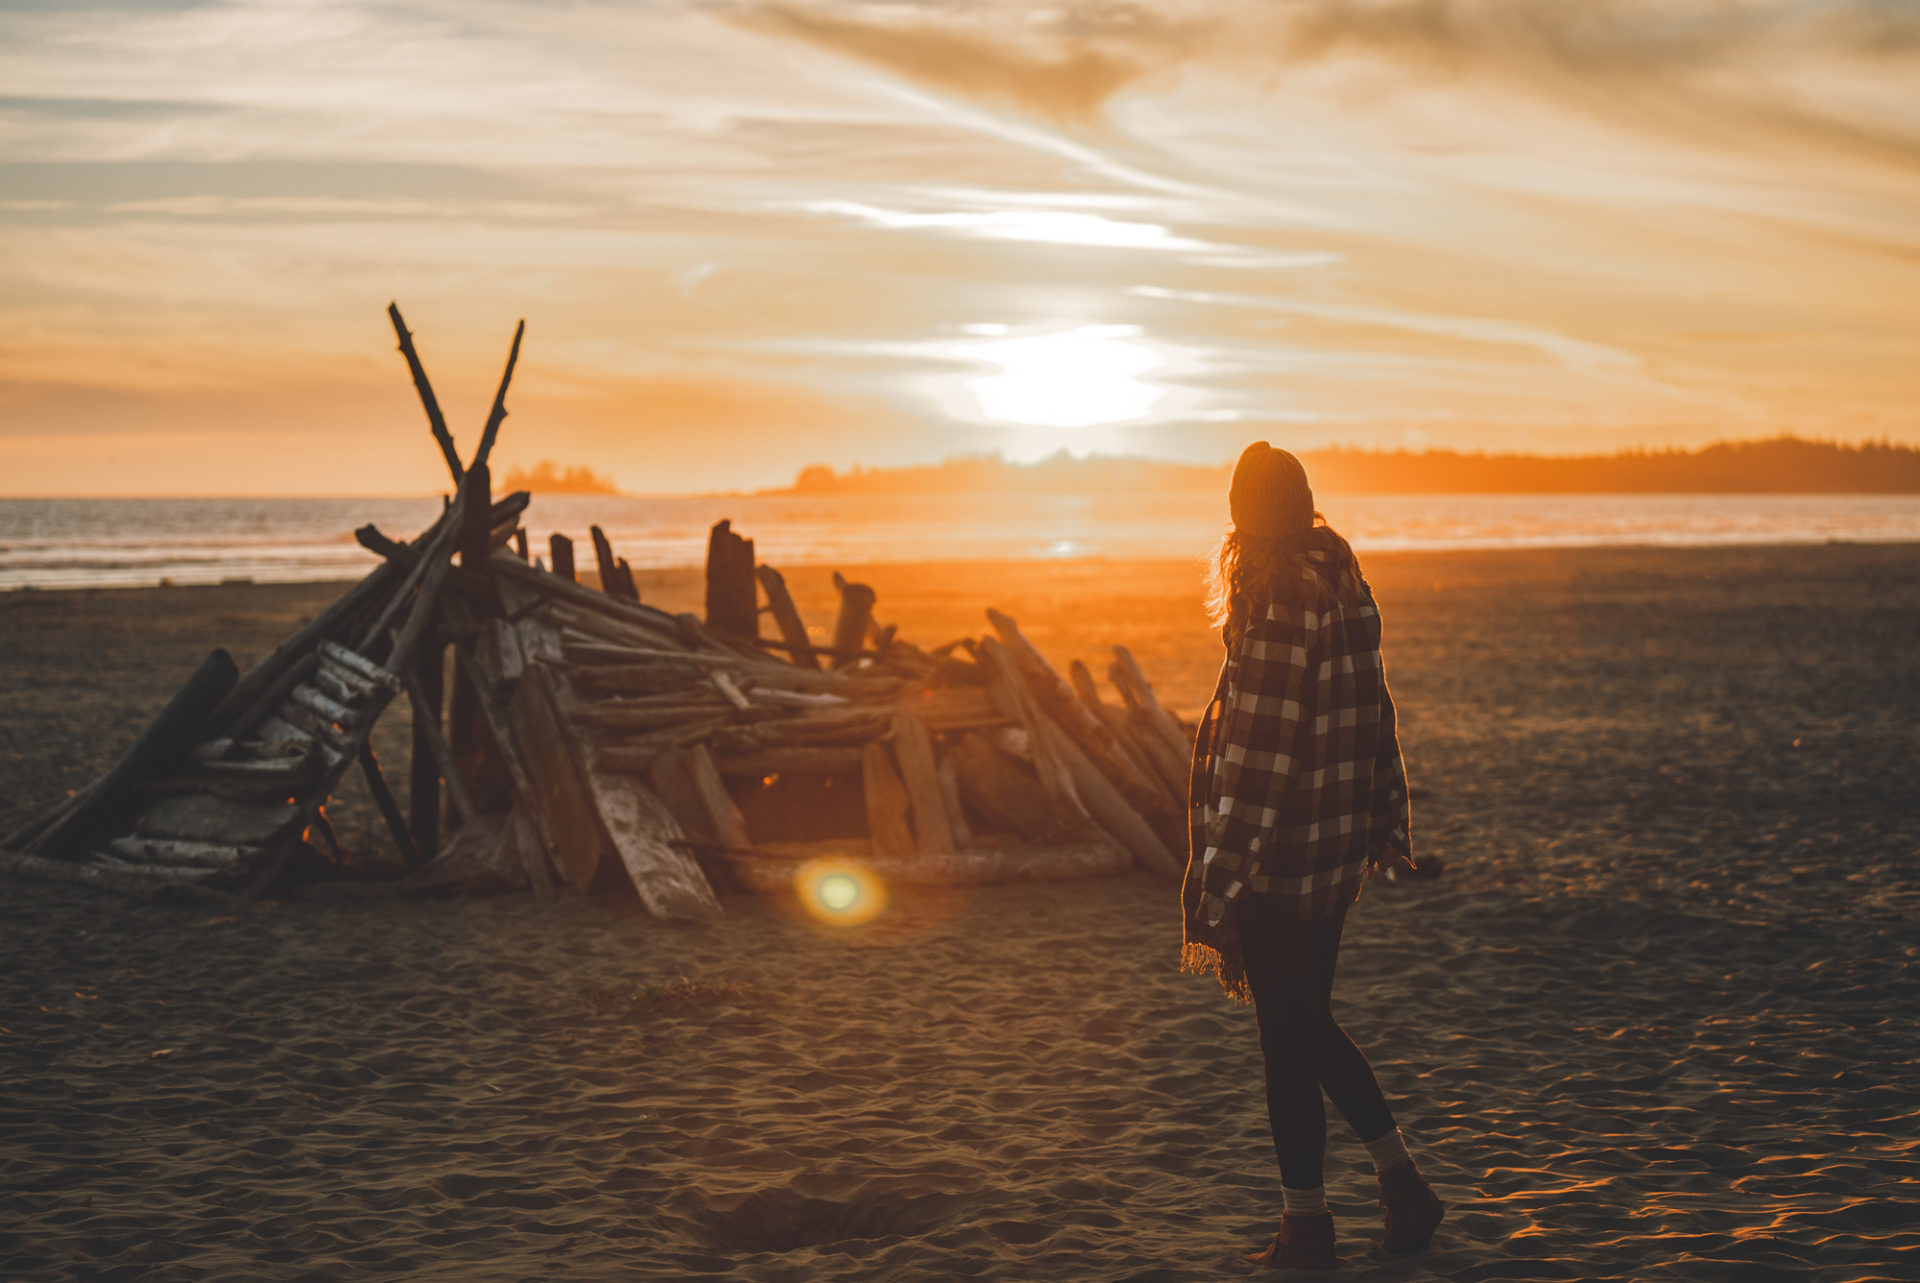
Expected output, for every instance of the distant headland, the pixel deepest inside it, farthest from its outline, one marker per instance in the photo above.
(547, 477)
(1780, 465)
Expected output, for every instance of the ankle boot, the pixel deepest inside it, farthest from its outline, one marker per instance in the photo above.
(1303, 1243)
(1409, 1206)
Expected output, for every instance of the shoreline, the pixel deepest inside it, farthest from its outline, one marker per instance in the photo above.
(671, 573)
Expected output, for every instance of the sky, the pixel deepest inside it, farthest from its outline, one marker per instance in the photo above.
(751, 236)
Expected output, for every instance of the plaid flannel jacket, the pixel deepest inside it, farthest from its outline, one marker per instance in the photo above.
(1307, 784)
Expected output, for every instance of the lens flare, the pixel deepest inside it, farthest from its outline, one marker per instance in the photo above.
(842, 893)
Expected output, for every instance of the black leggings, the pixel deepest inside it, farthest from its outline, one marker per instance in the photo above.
(1290, 965)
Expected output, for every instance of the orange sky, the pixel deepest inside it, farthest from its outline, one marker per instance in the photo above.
(747, 237)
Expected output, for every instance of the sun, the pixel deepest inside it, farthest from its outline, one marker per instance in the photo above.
(1074, 378)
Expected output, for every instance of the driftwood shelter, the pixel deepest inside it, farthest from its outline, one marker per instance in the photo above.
(587, 739)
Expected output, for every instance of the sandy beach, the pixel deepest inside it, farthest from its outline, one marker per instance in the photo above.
(1656, 1021)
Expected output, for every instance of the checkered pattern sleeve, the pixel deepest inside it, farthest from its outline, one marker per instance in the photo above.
(1259, 751)
(1391, 830)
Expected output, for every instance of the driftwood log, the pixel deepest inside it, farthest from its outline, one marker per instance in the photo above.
(786, 616)
(731, 603)
(102, 805)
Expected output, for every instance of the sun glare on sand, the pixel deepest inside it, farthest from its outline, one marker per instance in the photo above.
(842, 893)
(1074, 378)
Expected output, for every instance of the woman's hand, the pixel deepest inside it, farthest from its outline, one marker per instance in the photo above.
(1395, 865)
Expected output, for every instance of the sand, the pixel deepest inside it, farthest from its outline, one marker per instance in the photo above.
(1656, 1022)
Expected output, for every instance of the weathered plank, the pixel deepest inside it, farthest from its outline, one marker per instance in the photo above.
(731, 604)
(786, 616)
(615, 580)
(1008, 689)
(724, 820)
(668, 774)
(195, 817)
(913, 750)
(1134, 779)
(423, 771)
(1000, 790)
(389, 809)
(102, 876)
(887, 802)
(1105, 803)
(554, 764)
(192, 855)
(483, 658)
(562, 549)
(440, 753)
(1139, 694)
(850, 626)
(949, 776)
(332, 620)
(105, 804)
(646, 836)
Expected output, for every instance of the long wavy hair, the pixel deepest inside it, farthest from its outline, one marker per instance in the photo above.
(1250, 572)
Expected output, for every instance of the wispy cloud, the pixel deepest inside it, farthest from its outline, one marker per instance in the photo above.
(1765, 68)
(1573, 354)
(1061, 65)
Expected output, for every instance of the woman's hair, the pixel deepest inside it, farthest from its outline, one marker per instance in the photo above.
(1251, 572)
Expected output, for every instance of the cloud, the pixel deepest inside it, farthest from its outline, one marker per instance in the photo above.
(1064, 69)
(1573, 354)
(1769, 67)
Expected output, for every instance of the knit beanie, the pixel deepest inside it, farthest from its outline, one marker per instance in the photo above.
(1270, 496)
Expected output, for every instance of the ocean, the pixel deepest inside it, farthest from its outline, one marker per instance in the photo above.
(75, 543)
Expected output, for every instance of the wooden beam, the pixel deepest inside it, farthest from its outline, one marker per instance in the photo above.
(483, 661)
(474, 745)
(435, 420)
(913, 749)
(1010, 695)
(887, 802)
(555, 764)
(167, 739)
(1150, 747)
(635, 613)
(787, 616)
(1134, 779)
(723, 817)
(332, 622)
(949, 776)
(616, 580)
(562, 549)
(667, 772)
(423, 770)
(731, 605)
(126, 880)
(1138, 692)
(1000, 790)
(389, 809)
(442, 755)
(499, 412)
(850, 627)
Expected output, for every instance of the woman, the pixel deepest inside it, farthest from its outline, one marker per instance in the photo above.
(1298, 790)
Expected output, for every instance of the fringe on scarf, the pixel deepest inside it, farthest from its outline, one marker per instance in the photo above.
(1201, 959)
(1210, 950)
